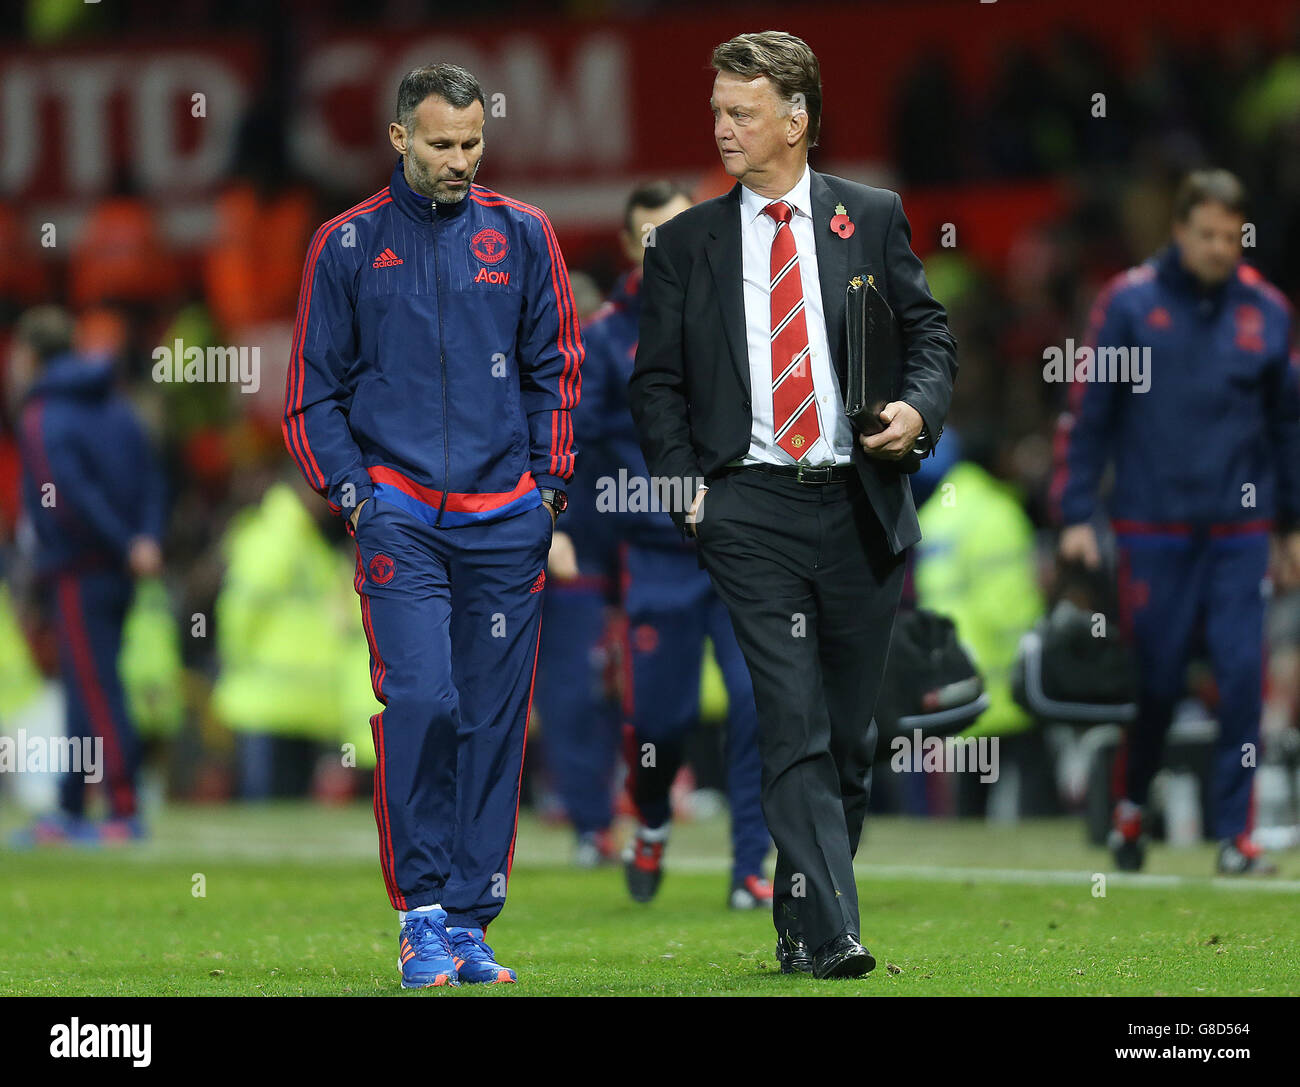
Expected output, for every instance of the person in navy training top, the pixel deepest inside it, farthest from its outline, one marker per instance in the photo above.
(1205, 443)
(670, 603)
(435, 366)
(576, 695)
(93, 501)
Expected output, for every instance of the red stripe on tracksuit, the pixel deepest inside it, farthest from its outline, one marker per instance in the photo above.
(624, 634)
(1218, 530)
(387, 860)
(481, 502)
(1078, 389)
(33, 428)
(567, 338)
(294, 425)
(1124, 592)
(297, 370)
(528, 712)
(101, 715)
(631, 753)
(33, 431)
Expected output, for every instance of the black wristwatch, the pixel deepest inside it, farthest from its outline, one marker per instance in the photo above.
(557, 500)
(924, 445)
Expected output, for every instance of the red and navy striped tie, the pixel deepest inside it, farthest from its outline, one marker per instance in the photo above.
(794, 404)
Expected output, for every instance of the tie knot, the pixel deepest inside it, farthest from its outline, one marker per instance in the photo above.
(780, 211)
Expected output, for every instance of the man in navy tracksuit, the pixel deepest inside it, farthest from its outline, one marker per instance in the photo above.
(435, 365)
(93, 496)
(1205, 446)
(670, 603)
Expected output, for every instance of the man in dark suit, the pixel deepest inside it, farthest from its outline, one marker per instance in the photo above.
(738, 393)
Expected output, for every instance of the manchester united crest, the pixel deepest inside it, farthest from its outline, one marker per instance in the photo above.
(382, 568)
(490, 246)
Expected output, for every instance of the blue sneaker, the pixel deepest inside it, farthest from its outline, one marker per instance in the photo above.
(121, 830)
(424, 951)
(55, 829)
(475, 961)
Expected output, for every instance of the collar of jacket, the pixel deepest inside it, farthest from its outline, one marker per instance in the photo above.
(75, 376)
(627, 291)
(1170, 270)
(418, 206)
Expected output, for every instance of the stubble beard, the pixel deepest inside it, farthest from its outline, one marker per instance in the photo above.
(427, 185)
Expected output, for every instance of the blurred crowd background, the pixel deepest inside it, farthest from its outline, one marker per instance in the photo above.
(163, 166)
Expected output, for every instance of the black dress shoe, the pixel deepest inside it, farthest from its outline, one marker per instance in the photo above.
(842, 957)
(792, 954)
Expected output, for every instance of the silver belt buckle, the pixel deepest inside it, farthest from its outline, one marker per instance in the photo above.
(810, 469)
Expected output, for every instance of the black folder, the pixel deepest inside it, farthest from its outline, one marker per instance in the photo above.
(875, 360)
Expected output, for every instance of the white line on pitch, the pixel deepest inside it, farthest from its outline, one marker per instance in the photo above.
(352, 847)
(945, 874)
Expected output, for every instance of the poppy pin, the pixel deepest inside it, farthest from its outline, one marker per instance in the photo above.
(841, 223)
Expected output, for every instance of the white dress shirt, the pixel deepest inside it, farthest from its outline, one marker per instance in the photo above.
(756, 233)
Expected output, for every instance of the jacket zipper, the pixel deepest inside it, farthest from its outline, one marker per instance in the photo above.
(442, 363)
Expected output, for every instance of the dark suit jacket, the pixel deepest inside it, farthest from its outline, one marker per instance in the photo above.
(689, 391)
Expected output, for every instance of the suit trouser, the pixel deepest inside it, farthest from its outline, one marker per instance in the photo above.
(91, 610)
(812, 588)
(453, 617)
(1168, 585)
(671, 609)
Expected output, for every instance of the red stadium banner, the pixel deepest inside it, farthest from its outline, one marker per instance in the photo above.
(163, 116)
(577, 110)
(569, 102)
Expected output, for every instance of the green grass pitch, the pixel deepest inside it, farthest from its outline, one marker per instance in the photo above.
(293, 904)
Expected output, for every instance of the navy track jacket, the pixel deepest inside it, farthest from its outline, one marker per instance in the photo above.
(77, 433)
(604, 422)
(1214, 442)
(436, 357)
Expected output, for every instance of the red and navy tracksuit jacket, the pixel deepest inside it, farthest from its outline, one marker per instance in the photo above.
(1223, 409)
(436, 357)
(1206, 461)
(76, 432)
(90, 485)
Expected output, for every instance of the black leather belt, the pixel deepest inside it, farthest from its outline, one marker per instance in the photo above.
(803, 473)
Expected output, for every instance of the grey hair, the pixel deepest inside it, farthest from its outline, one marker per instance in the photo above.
(450, 82)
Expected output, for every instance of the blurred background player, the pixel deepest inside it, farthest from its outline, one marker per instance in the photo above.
(670, 604)
(576, 694)
(93, 497)
(1206, 463)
